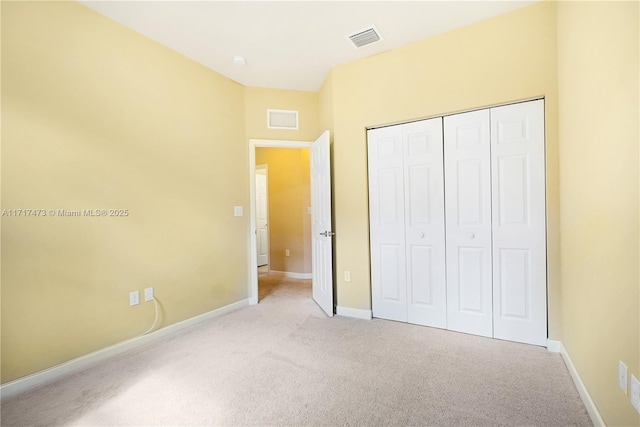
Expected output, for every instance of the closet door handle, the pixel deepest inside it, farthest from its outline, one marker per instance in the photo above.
(422, 235)
(472, 236)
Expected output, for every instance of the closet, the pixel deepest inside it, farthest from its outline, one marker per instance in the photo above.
(457, 222)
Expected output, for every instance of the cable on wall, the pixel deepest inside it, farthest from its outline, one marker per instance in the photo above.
(155, 303)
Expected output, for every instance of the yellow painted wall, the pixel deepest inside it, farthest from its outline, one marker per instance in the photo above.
(95, 116)
(258, 100)
(325, 101)
(598, 64)
(503, 59)
(289, 198)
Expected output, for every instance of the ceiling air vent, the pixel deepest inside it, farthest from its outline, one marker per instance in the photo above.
(282, 119)
(365, 36)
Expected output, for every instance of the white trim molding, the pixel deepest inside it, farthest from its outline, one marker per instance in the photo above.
(353, 312)
(279, 143)
(554, 346)
(290, 274)
(557, 347)
(83, 362)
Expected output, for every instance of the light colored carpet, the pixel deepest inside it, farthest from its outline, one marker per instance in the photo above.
(283, 362)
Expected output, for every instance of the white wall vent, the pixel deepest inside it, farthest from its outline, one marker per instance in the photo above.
(365, 36)
(282, 119)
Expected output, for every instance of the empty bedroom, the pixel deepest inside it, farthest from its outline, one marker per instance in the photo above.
(320, 213)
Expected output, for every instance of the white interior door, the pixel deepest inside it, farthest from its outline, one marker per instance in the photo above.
(387, 223)
(424, 222)
(468, 222)
(262, 234)
(321, 227)
(519, 244)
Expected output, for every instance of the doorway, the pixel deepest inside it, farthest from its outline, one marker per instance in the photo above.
(321, 221)
(284, 198)
(255, 144)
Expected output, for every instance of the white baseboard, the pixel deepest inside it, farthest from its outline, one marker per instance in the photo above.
(557, 347)
(353, 312)
(291, 274)
(83, 362)
(554, 346)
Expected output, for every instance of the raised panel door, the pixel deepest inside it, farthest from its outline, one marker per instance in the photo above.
(468, 222)
(424, 222)
(387, 223)
(519, 243)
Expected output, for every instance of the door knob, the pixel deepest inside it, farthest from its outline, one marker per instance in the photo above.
(422, 235)
(473, 236)
(327, 233)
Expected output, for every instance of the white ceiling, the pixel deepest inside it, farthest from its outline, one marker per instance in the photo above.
(290, 44)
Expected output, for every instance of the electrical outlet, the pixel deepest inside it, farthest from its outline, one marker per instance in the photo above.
(286, 252)
(134, 298)
(635, 393)
(148, 294)
(347, 276)
(622, 376)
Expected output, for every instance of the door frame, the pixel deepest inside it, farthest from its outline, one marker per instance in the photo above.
(253, 255)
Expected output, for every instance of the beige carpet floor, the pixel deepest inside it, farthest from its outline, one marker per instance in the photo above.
(283, 362)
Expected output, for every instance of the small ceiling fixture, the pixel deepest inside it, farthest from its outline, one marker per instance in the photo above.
(365, 36)
(239, 61)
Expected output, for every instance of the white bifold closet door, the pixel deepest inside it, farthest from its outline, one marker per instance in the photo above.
(457, 222)
(495, 220)
(518, 223)
(468, 198)
(407, 223)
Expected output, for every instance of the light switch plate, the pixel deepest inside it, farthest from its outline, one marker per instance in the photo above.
(347, 276)
(635, 393)
(622, 376)
(134, 298)
(237, 210)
